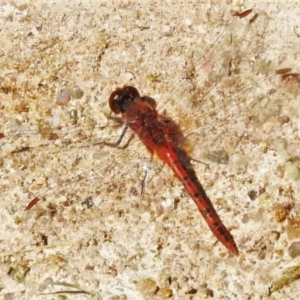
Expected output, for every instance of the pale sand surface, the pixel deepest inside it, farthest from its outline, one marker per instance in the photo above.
(157, 246)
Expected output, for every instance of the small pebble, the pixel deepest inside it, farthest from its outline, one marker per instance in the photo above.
(294, 249)
(280, 213)
(63, 97)
(76, 92)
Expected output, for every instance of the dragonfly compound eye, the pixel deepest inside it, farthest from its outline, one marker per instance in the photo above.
(121, 98)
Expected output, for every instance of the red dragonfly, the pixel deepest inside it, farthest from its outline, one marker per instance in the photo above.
(162, 136)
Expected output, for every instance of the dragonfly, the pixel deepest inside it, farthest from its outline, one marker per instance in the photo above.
(161, 136)
(222, 76)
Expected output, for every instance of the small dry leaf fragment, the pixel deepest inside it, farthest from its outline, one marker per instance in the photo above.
(289, 275)
(19, 272)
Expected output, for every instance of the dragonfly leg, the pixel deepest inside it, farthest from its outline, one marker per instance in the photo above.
(118, 142)
(145, 175)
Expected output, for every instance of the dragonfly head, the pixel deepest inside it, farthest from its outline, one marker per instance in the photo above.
(121, 98)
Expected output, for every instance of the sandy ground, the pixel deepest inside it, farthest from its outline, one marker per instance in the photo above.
(93, 236)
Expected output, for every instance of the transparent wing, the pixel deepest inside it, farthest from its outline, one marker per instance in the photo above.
(234, 95)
